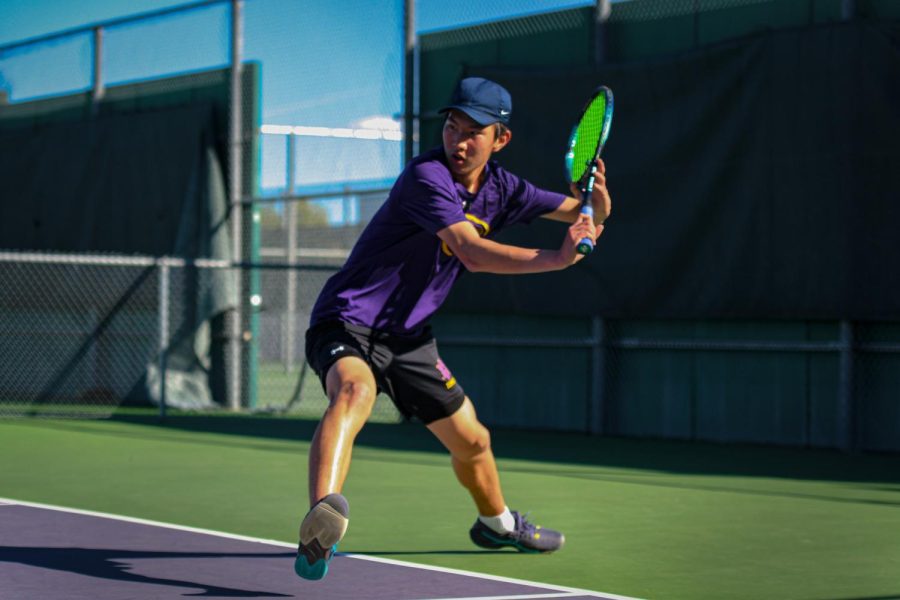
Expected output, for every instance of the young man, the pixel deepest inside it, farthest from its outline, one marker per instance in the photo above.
(369, 328)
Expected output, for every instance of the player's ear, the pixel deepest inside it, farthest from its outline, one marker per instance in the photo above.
(502, 136)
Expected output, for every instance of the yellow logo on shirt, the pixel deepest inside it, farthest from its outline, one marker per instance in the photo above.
(481, 226)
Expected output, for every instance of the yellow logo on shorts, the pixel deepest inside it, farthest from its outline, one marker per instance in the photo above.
(449, 379)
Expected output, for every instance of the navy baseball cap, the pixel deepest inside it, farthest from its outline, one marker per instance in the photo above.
(483, 100)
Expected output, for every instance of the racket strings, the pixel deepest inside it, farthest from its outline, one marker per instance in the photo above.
(587, 137)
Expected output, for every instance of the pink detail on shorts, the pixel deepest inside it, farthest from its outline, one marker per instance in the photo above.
(445, 372)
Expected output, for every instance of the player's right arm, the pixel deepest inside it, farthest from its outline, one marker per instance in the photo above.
(487, 256)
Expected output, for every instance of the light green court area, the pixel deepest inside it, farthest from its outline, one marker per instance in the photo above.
(642, 518)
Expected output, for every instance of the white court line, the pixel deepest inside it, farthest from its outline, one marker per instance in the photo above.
(521, 597)
(549, 586)
(570, 591)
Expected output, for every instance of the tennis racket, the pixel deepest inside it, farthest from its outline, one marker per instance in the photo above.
(585, 145)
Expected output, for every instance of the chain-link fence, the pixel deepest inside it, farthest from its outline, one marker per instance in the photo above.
(311, 102)
(298, 253)
(74, 336)
(278, 71)
(82, 335)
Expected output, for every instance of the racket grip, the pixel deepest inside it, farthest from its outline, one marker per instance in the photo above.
(586, 245)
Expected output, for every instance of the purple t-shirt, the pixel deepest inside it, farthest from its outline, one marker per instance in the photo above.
(400, 272)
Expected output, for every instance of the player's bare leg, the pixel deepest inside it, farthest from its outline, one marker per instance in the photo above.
(351, 393)
(469, 443)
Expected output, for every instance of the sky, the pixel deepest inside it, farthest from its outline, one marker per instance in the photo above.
(23, 19)
(324, 64)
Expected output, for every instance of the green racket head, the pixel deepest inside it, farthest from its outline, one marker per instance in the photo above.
(589, 134)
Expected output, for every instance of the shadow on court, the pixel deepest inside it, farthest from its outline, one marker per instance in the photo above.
(115, 564)
(54, 553)
(890, 597)
(568, 454)
(573, 449)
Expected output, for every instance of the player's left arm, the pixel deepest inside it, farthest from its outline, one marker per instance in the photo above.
(570, 208)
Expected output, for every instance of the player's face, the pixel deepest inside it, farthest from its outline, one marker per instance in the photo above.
(468, 145)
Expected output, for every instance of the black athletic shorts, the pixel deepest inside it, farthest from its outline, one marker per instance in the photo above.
(408, 369)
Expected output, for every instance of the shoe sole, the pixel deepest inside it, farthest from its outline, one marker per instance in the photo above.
(321, 530)
(315, 571)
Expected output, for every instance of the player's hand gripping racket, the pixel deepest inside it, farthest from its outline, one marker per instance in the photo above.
(585, 145)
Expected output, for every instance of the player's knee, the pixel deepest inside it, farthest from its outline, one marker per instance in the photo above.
(477, 446)
(353, 398)
(483, 441)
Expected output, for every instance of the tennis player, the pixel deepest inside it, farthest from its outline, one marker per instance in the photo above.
(369, 328)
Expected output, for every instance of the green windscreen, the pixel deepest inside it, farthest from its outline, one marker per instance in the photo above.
(584, 139)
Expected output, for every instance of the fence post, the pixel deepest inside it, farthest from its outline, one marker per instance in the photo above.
(409, 66)
(602, 10)
(848, 10)
(163, 268)
(235, 179)
(696, 15)
(598, 387)
(97, 87)
(291, 218)
(846, 404)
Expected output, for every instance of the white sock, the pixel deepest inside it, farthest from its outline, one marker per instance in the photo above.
(502, 523)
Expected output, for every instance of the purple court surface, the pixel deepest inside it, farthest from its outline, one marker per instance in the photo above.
(49, 552)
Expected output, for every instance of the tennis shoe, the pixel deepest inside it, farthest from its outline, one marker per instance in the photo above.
(526, 537)
(321, 530)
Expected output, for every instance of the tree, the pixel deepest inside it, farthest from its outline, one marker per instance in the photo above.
(308, 215)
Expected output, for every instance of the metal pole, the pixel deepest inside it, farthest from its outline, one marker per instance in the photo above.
(132, 18)
(291, 217)
(235, 178)
(848, 9)
(409, 65)
(163, 267)
(846, 412)
(696, 23)
(97, 88)
(347, 207)
(597, 422)
(602, 10)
